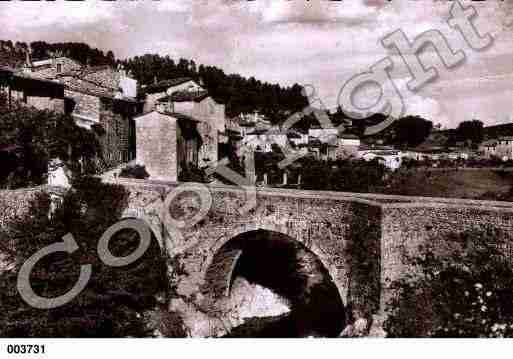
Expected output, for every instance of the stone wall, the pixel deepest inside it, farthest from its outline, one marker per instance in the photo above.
(157, 145)
(116, 140)
(85, 105)
(408, 227)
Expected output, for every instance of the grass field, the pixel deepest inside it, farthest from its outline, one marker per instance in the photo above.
(470, 183)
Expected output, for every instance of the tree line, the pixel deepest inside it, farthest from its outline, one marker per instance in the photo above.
(238, 93)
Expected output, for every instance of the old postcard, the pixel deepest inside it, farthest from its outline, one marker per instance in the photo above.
(255, 169)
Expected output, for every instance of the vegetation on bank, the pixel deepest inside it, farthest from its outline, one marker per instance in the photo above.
(460, 285)
(30, 138)
(117, 301)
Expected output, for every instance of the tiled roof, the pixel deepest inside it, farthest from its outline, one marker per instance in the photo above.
(102, 81)
(104, 76)
(185, 96)
(348, 136)
(178, 116)
(79, 85)
(44, 68)
(165, 84)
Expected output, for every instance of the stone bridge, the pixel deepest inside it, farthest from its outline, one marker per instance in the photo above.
(362, 240)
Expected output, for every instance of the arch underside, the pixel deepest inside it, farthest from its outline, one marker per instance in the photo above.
(220, 272)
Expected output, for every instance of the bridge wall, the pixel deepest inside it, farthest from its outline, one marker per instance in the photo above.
(408, 227)
(363, 240)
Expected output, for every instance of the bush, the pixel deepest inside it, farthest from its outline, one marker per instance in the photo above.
(37, 137)
(137, 172)
(115, 299)
(191, 173)
(460, 287)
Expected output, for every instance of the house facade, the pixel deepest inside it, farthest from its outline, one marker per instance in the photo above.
(504, 148)
(160, 89)
(210, 117)
(488, 148)
(99, 98)
(167, 144)
(39, 93)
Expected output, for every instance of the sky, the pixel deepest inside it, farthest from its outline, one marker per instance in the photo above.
(318, 42)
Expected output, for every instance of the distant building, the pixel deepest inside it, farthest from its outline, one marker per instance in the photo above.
(386, 155)
(263, 140)
(489, 148)
(504, 148)
(348, 145)
(324, 135)
(297, 138)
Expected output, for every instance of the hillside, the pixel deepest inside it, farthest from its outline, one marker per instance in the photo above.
(499, 130)
(471, 183)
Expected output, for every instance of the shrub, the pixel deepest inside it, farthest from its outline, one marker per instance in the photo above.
(192, 173)
(461, 287)
(137, 172)
(115, 298)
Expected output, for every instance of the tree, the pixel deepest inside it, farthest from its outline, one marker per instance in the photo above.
(410, 131)
(37, 137)
(115, 301)
(472, 131)
(241, 95)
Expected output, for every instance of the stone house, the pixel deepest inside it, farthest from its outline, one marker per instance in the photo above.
(166, 143)
(160, 89)
(99, 98)
(263, 140)
(348, 145)
(50, 68)
(197, 105)
(504, 148)
(488, 148)
(39, 93)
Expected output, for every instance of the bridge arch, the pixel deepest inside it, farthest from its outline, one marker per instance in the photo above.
(276, 260)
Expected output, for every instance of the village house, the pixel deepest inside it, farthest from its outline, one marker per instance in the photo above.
(253, 121)
(324, 135)
(99, 98)
(198, 105)
(386, 155)
(331, 143)
(297, 138)
(261, 140)
(39, 93)
(488, 148)
(348, 145)
(167, 143)
(501, 147)
(184, 128)
(160, 89)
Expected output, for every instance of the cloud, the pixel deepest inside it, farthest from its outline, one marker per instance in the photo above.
(322, 43)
